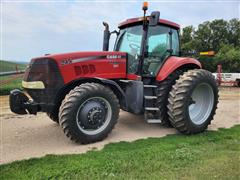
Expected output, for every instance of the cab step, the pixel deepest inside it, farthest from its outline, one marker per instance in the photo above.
(153, 121)
(150, 103)
(149, 86)
(151, 109)
(125, 80)
(150, 97)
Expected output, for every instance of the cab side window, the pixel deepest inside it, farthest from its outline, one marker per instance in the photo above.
(175, 42)
(158, 41)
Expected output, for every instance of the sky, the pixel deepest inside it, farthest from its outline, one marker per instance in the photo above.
(33, 28)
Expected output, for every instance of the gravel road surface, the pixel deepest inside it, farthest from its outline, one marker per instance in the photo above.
(24, 137)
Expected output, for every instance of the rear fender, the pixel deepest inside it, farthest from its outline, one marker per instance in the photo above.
(173, 63)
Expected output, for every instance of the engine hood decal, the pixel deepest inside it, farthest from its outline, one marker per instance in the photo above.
(89, 58)
(74, 57)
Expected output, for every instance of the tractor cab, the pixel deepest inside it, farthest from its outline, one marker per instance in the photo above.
(161, 42)
(148, 42)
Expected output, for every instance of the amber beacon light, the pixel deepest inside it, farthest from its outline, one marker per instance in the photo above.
(145, 6)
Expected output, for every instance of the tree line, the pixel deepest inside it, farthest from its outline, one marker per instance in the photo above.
(218, 35)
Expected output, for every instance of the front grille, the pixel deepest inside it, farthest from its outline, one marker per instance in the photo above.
(47, 71)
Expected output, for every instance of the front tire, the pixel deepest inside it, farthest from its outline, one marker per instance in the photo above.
(53, 116)
(89, 113)
(193, 101)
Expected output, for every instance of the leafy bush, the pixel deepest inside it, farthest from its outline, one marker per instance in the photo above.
(218, 35)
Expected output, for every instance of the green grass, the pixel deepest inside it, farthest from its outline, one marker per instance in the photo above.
(6, 66)
(14, 84)
(210, 155)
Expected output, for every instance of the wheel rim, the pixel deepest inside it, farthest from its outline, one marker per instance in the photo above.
(201, 103)
(94, 115)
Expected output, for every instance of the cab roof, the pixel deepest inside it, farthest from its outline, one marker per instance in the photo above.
(138, 20)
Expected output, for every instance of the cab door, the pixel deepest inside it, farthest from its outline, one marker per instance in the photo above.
(162, 41)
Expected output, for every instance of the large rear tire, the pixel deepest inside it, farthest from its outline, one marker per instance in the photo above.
(89, 113)
(163, 90)
(193, 101)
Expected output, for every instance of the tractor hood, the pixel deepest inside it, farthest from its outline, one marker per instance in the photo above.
(77, 65)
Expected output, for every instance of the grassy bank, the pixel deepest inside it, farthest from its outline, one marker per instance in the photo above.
(13, 84)
(210, 155)
(6, 66)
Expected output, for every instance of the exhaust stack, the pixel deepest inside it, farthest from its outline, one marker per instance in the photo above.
(106, 37)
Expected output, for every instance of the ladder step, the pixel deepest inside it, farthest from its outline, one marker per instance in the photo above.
(154, 121)
(151, 108)
(150, 86)
(126, 81)
(150, 97)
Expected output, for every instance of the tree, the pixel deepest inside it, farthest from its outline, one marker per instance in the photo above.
(229, 57)
(187, 34)
(202, 37)
(219, 35)
(234, 32)
(187, 38)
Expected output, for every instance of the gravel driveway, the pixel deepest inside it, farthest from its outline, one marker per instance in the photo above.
(24, 137)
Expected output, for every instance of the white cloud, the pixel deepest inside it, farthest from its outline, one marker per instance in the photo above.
(25, 19)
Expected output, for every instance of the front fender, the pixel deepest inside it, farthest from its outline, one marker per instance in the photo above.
(174, 63)
(71, 85)
(116, 89)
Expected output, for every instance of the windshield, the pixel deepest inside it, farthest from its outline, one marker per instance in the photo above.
(158, 44)
(129, 41)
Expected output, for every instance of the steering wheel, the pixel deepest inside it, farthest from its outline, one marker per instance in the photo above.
(134, 46)
(132, 63)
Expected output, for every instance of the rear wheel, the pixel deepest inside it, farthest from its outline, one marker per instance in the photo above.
(89, 113)
(163, 90)
(193, 101)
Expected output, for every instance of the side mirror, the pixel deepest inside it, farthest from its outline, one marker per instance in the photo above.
(154, 18)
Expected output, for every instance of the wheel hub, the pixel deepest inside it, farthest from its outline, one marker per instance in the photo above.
(201, 103)
(96, 115)
(191, 101)
(92, 114)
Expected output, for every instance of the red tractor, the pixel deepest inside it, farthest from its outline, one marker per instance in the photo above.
(144, 74)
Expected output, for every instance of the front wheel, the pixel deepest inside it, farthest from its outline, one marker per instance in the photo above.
(89, 113)
(193, 101)
(53, 117)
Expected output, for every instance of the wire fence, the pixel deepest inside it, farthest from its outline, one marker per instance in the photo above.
(10, 80)
(12, 73)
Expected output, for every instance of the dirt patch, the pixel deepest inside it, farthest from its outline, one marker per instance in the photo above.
(24, 137)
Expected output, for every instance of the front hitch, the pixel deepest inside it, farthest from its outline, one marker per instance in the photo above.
(20, 103)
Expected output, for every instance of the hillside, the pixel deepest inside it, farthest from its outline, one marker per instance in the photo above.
(6, 66)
